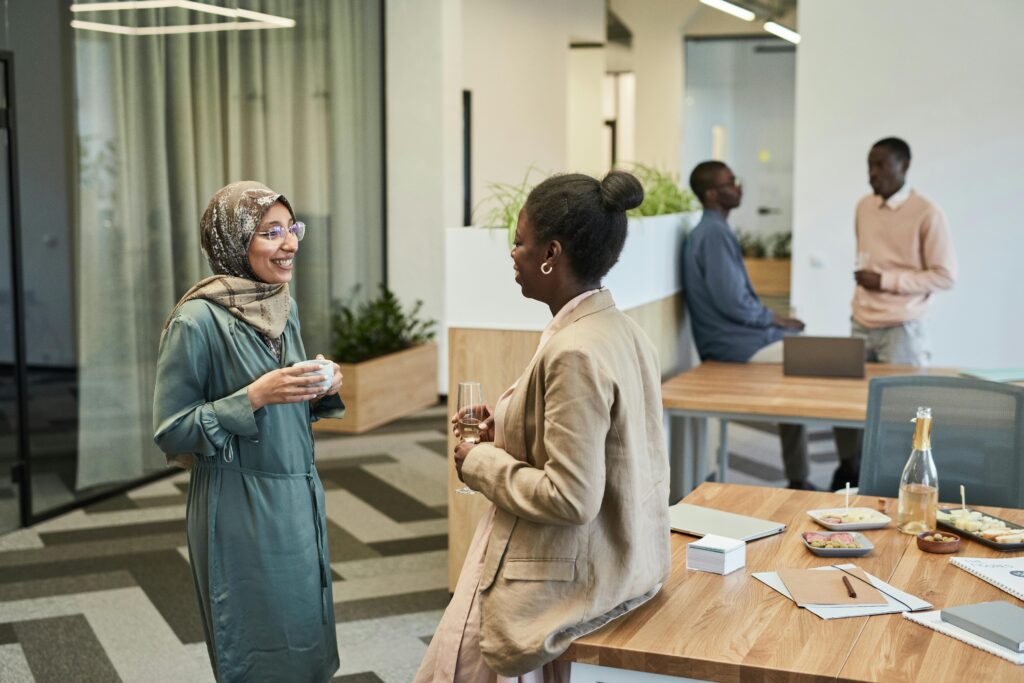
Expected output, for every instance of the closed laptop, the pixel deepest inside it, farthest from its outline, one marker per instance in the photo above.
(823, 356)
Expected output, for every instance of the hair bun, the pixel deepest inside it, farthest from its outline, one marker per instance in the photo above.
(621, 191)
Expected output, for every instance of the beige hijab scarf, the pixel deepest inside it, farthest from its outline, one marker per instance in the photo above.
(227, 226)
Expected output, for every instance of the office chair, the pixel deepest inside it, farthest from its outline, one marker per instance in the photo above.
(977, 437)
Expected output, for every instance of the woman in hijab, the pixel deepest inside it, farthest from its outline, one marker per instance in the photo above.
(229, 405)
(573, 459)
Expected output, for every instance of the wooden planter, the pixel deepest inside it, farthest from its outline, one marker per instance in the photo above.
(378, 391)
(770, 276)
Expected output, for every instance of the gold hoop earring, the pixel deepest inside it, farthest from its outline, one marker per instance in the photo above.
(548, 266)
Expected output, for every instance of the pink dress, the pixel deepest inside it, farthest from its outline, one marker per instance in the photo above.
(454, 653)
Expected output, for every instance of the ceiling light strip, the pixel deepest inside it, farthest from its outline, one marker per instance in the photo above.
(782, 32)
(729, 8)
(254, 20)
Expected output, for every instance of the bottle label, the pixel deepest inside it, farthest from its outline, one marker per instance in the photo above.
(923, 434)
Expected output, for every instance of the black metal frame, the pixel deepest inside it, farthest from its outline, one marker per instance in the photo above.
(384, 140)
(467, 157)
(22, 467)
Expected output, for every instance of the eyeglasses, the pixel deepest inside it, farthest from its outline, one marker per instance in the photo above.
(735, 182)
(276, 233)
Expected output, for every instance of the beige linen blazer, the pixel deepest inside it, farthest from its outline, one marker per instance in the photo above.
(581, 529)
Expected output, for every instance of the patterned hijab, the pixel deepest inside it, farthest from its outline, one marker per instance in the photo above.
(226, 228)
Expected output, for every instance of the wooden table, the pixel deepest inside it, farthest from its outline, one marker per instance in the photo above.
(731, 628)
(757, 392)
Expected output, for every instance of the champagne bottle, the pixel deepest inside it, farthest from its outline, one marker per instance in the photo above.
(919, 485)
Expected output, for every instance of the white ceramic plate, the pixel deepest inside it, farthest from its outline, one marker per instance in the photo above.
(876, 520)
(866, 547)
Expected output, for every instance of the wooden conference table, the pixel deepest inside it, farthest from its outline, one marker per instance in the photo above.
(732, 628)
(757, 392)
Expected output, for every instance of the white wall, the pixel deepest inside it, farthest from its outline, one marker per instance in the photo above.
(424, 130)
(585, 111)
(657, 61)
(947, 78)
(516, 64)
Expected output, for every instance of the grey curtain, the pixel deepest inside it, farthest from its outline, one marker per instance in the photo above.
(163, 122)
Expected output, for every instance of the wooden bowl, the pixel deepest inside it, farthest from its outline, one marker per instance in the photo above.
(938, 546)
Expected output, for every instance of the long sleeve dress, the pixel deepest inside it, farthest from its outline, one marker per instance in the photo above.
(255, 512)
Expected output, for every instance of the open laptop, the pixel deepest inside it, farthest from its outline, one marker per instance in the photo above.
(823, 356)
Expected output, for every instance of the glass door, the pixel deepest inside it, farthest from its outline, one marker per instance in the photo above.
(12, 366)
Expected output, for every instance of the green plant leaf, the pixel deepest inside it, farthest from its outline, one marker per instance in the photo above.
(362, 330)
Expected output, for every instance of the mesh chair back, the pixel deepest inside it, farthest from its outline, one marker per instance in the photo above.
(977, 437)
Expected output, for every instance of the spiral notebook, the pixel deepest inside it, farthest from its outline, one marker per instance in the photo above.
(1006, 574)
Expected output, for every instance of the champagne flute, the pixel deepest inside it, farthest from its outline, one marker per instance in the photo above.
(471, 412)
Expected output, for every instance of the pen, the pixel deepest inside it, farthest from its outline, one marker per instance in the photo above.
(849, 588)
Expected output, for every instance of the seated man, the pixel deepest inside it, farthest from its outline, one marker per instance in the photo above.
(729, 321)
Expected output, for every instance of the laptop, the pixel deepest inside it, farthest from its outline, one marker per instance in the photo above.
(823, 356)
(697, 520)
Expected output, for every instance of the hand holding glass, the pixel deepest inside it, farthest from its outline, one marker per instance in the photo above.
(471, 414)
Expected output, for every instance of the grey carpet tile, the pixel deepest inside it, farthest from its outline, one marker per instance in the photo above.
(61, 649)
(77, 551)
(363, 677)
(114, 504)
(381, 495)
(347, 462)
(64, 585)
(174, 526)
(407, 603)
(406, 546)
(341, 545)
(161, 501)
(755, 468)
(164, 576)
(439, 446)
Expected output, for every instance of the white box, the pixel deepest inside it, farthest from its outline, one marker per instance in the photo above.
(716, 554)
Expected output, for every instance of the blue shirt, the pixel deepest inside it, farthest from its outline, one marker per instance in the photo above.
(729, 322)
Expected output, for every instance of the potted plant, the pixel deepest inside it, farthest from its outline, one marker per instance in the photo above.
(767, 259)
(388, 360)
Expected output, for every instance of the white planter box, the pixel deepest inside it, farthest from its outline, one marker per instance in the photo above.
(480, 290)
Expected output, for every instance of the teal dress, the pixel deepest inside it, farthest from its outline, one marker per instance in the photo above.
(255, 512)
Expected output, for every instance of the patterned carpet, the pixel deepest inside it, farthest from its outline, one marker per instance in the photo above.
(105, 594)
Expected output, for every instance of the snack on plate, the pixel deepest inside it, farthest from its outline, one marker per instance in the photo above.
(981, 525)
(836, 540)
(854, 516)
(1011, 538)
(939, 538)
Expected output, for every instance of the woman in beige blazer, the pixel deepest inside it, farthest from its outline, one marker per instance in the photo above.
(577, 470)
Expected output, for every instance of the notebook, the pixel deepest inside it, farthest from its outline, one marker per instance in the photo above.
(701, 521)
(813, 588)
(896, 600)
(1007, 574)
(998, 621)
(934, 621)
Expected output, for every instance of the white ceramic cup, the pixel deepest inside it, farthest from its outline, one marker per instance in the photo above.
(324, 368)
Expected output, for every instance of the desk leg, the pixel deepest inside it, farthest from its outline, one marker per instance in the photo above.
(723, 448)
(700, 428)
(680, 459)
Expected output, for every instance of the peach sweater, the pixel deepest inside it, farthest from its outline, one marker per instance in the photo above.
(909, 244)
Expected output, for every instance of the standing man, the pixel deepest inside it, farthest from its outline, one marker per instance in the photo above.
(905, 255)
(729, 321)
